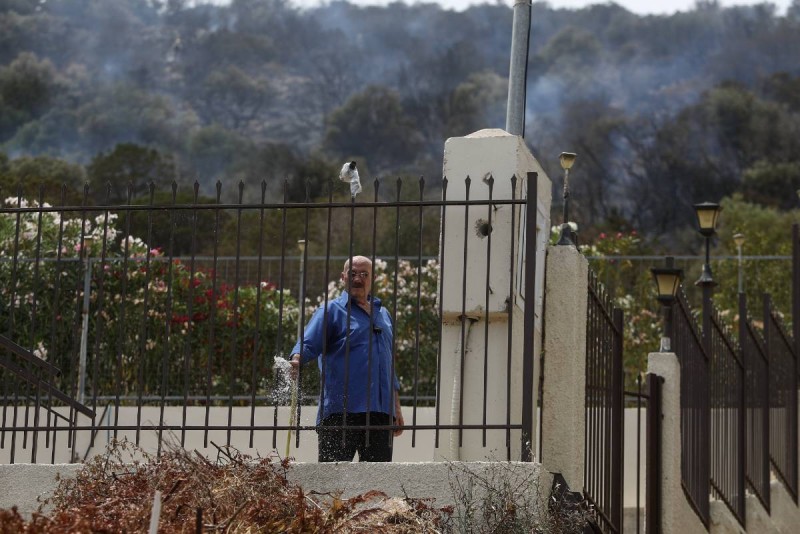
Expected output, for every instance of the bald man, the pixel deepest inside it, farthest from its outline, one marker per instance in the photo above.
(351, 340)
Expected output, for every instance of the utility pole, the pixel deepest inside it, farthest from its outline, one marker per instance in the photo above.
(518, 69)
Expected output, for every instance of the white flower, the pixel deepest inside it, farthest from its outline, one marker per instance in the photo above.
(40, 351)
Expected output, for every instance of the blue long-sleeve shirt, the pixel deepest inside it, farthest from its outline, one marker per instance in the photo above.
(348, 363)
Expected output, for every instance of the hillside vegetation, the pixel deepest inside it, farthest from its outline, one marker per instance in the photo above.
(690, 107)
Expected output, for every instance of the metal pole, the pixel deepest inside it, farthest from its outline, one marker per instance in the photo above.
(528, 398)
(518, 68)
(301, 244)
(739, 247)
(87, 280)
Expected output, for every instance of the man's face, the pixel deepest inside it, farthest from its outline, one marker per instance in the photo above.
(358, 279)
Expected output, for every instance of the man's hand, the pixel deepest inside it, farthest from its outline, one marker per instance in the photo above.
(295, 361)
(398, 415)
(399, 421)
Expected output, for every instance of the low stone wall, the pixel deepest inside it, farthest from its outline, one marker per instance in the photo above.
(25, 485)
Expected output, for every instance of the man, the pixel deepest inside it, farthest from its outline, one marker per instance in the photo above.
(351, 339)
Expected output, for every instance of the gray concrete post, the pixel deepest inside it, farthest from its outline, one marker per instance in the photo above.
(677, 515)
(564, 398)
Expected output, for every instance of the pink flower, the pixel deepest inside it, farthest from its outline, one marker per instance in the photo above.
(602, 235)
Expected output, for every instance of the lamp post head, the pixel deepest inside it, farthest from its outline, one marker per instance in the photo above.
(738, 239)
(668, 281)
(707, 217)
(567, 159)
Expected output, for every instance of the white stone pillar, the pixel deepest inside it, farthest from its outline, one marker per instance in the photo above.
(564, 395)
(484, 154)
(677, 515)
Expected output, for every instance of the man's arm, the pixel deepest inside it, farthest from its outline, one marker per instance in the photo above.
(311, 344)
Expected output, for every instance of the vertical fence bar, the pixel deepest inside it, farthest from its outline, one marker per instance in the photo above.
(145, 321)
(512, 301)
(796, 287)
(419, 314)
(370, 348)
(324, 353)
(529, 319)
(654, 474)
(281, 284)
(618, 421)
(464, 330)
(212, 313)
(235, 338)
(168, 320)
(490, 183)
(37, 284)
(437, 415)
(191, 323)
(256, 355)
(100, 314)
(639, 450)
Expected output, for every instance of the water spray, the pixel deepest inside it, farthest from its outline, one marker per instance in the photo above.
(286, 385)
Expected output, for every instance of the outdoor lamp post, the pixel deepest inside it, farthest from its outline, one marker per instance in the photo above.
(668, 280)
(567, 159)
(707, 216)
(739, 240)
(87, 288)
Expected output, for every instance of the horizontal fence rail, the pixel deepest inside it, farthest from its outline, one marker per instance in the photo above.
(173, 316)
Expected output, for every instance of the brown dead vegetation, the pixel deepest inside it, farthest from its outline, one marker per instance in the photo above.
(234, 494)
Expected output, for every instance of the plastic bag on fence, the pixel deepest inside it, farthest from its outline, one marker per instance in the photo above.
(349, 174)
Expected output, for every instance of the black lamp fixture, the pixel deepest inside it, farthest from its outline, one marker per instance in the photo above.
(567, 159)
(668, 280)
(707, 217)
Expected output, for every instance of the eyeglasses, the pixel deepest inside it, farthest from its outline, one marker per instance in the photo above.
(361, 274)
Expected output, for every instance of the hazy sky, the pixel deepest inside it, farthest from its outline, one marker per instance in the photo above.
(641, 7)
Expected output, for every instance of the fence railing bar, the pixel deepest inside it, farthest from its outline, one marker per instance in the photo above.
(212, 427)
(28, 356)
(43, 384)
(190, 323)
(654, 475)
(485, 393)
(529, 318)
(511, 303)
(419, 307)
(275, 205)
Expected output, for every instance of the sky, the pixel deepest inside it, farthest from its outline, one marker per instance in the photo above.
(641, 7)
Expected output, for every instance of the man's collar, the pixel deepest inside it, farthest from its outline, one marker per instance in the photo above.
(374, 301)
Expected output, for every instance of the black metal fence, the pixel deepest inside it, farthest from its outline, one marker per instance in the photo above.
(129, 305)
(695, 415)
(604, 407)
(738, 405)
(727, 412)
(756, 432)
(782, 398)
